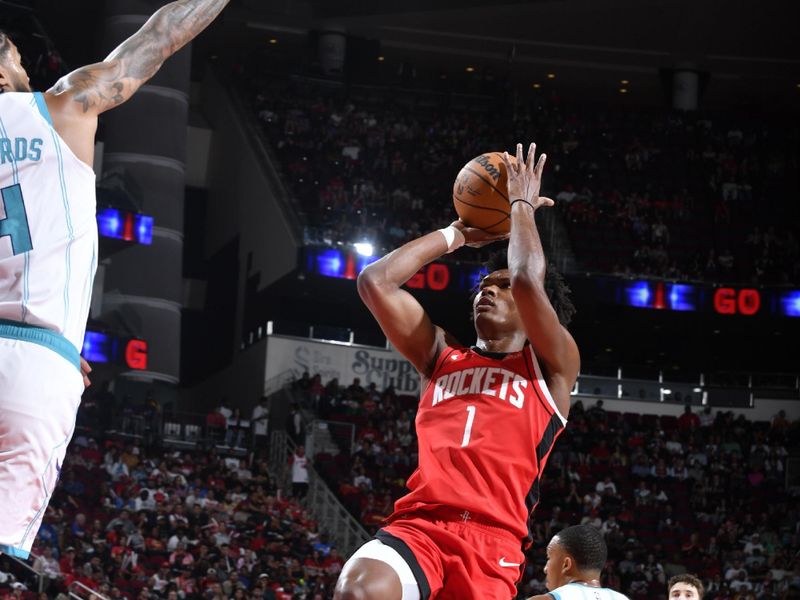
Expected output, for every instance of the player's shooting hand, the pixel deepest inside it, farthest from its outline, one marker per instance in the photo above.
(525, 179)
(85, 370)
(477, 238)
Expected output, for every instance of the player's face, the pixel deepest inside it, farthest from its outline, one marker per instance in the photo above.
(683, 591)
(554, 569)
(13, 77)
(494, 306)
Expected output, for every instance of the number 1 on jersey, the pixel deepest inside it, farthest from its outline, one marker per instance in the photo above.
(468, 428)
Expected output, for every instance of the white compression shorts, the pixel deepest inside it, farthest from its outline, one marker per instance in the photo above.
(377, 550)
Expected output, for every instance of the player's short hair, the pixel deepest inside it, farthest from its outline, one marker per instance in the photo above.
(688, 579)
(586, 546)
(554, 284)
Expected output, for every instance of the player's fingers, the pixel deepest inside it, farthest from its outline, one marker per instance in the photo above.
(509, 166)
(540, 164)
(520, 158)
(547, 201)
(531, 157)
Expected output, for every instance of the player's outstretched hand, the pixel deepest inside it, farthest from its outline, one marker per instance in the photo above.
(525, 179)
(85, 370)
(477, 238)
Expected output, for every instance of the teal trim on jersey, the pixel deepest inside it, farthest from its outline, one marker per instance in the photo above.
(56, 342)
(42, 106)
(15, 552)
(555, 595)
(65, 200)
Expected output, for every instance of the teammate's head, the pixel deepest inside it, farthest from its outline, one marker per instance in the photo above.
(576, 553)
(13, 77)
(685, 587)
(493, 305)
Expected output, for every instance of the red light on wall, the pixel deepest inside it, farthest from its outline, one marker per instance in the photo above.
(660, 301)
(136, 354)
(728, 301)
(749, 301)
(434, 277)
(437, 276)
(127, 228)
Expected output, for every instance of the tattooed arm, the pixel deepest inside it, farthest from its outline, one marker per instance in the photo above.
(102, 86)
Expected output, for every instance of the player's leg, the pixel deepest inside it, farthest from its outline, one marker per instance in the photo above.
(376, 572)
(39, 396)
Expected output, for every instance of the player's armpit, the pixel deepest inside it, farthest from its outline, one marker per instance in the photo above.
(102, 86)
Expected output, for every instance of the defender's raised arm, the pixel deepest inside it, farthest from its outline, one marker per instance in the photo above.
(102, 86)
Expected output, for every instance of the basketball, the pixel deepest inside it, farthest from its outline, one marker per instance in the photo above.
(480, 193)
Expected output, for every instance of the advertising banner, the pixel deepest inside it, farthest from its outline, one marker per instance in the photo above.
(345, 362)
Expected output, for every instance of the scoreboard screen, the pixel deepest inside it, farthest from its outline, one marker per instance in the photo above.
(677, 296)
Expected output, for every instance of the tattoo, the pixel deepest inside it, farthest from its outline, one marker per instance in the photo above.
(103, 86)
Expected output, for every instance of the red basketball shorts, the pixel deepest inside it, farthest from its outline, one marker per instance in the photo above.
(456, 558)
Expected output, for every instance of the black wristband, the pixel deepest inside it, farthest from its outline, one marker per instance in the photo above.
(513, 202)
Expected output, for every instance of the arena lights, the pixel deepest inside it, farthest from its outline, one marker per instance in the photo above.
(790, 301)
(536, 86)
(623, 90)
(364, 248)
(381, 58)
(470, 69)
(331, 262)
(551, 75)
(660, 295)
(624, 81)
(273, 40)
(101, 348)
(126, 226)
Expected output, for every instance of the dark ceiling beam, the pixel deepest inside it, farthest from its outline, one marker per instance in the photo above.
(364, 8)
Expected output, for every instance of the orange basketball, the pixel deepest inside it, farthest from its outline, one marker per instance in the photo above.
(480, 193)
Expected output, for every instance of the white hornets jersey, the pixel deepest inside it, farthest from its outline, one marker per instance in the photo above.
(578, 591)
(48, 227)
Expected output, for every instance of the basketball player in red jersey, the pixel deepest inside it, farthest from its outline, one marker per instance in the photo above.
(488, 416)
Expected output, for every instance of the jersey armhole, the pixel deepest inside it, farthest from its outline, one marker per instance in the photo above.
(42, 106)
(446, 351)
(541, 384)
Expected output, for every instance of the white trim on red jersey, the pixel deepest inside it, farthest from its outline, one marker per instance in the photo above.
(543, 386)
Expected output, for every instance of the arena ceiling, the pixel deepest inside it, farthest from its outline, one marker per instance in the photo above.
(750, 51)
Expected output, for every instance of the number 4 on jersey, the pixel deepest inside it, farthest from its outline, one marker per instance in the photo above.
(15, 223)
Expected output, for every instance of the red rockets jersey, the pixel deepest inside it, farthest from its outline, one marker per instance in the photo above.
(486, 424)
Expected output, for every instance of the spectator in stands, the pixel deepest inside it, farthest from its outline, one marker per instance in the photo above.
(688, 420)
(294, 424)
(260, 419)
(299, 462)
(47, 566)
(685, 587)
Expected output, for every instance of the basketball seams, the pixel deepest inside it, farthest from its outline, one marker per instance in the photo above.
(486, 181)
(481, 207)
(487, 228)
(474, 193)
